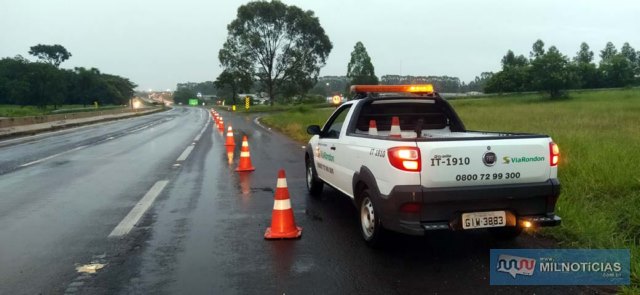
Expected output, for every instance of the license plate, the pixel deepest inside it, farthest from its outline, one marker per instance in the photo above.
(483, 219)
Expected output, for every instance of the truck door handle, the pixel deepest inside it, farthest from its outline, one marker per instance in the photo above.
(333, 148)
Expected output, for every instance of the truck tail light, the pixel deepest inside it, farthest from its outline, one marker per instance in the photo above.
(554, 153)
(405, 158)
(411, 208)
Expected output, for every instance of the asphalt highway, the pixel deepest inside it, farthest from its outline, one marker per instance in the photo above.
(153, 206)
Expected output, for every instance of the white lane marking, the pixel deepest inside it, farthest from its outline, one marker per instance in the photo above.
(129, 221)
(53, 156)
(256, 120)
(185, 154)
(206, 123)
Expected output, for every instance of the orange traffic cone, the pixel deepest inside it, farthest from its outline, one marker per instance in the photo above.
(220, 125)
(395, 131)
(373, 129)
(283, 225)
(244, 163)
(230, 141)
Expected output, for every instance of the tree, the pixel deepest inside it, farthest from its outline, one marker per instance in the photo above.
(182, 95)
(88, 85)
(479, 83)
(53, 54)
(360, 69)
(278, 42)
(583, 69)
(550, 72)
(538, 49)
(628, 52)
(608, 52)
(632, 56)
(511, 60)
(514, 77)
(234, 81)
(617, 71)
(584, 55)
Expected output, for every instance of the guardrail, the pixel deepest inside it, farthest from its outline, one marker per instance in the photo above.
(19, 121)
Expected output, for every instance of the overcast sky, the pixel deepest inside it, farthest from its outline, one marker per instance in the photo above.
(159, 43)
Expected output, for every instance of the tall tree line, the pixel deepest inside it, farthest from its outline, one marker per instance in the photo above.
(44, 84)
(553, 72)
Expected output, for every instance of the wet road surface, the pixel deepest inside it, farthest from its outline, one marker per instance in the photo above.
(204, 232)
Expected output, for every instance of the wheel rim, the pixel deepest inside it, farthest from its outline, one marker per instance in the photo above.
(367, 218)
(309, 177)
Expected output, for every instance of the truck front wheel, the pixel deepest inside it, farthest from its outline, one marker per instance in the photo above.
(314, 184)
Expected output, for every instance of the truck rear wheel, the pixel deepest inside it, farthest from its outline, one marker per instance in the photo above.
(370, 226)
(314, 184)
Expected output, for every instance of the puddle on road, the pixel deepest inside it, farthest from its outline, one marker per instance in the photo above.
(230, 150)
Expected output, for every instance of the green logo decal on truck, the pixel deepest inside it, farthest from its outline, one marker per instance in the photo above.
(518, 160)
(327, 156)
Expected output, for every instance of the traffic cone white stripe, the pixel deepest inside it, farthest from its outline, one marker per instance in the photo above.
(282, 183)
(244, 154)
(244, 143)
(282, 204)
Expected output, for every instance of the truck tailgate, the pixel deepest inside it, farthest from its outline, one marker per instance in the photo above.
(484, 162)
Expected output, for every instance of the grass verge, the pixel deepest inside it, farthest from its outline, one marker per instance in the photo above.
(599, 137)
(24, 111)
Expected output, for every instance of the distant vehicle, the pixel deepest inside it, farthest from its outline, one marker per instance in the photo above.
(410, 166)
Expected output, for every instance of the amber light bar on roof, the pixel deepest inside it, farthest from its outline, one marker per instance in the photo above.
(418, 88)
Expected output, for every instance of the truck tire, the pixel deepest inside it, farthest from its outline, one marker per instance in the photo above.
(506, 233)
(314, 184)
(370, 226)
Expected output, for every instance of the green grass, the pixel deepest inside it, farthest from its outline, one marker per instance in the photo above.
(22, 111)
(294, 122)
(599, 137)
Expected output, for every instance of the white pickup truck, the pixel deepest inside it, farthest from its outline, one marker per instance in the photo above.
(405, 158)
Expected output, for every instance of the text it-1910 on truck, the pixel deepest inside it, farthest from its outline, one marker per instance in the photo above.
(405, 158)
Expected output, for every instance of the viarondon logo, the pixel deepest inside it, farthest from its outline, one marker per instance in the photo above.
(518, 160)
(515, 265)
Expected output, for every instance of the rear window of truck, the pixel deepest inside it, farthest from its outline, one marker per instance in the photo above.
(410, 113)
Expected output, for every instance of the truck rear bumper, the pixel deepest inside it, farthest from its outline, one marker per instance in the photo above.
(441, 208)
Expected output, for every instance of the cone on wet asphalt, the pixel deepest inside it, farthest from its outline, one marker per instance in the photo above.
(283, 224)
(244, 164)
(230, 141)
(220, 125)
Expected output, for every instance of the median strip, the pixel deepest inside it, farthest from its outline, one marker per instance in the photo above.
(129, 221)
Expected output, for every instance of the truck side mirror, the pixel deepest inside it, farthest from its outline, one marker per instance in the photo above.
(313, 129)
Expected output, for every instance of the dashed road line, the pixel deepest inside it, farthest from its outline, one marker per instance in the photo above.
(185, 154)
(52, 156)
(206, 124)
(129, 221)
